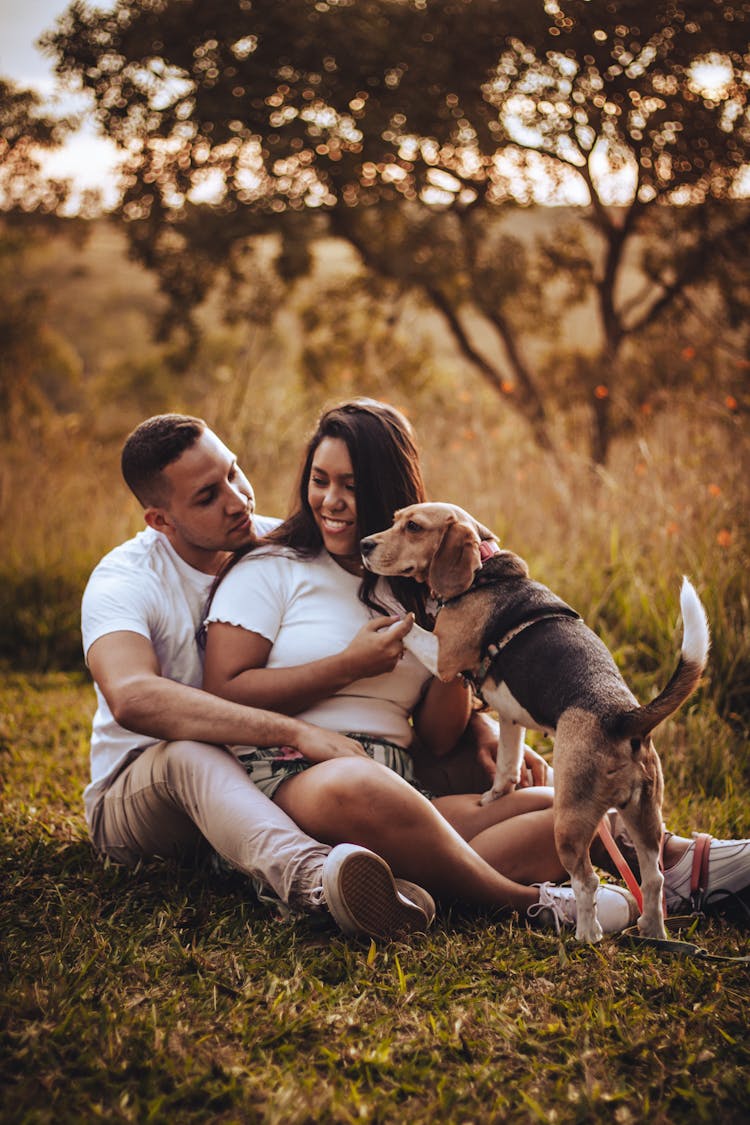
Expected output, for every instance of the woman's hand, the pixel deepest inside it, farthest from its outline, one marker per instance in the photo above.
(378, 646)
(318, 745)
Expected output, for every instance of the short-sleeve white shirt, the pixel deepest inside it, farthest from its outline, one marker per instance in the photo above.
(144, 587)
(309, 609)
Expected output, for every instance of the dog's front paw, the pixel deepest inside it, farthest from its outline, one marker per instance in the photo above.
(497, 791)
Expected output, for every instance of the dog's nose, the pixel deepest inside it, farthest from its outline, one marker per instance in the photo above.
(366, 546)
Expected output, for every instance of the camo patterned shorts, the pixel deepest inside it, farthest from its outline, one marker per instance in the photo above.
(269, 766)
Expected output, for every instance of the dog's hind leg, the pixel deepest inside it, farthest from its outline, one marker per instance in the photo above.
(579, 807)
(645, 828)
(573, 837)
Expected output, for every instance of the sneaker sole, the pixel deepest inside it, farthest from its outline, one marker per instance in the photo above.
(418, 896)
(373, 906)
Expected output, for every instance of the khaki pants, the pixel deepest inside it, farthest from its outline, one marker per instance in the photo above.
(174, 796)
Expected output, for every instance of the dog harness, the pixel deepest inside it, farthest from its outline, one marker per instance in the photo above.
(475, 678)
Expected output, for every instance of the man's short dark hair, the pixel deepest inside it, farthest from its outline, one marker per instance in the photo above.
(152, 446)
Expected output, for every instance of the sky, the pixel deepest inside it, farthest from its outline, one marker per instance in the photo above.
(89, 160)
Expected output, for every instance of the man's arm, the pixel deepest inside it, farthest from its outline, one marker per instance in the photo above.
(126, 669)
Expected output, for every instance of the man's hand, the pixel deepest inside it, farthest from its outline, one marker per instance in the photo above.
(318, 745)
(534, 770)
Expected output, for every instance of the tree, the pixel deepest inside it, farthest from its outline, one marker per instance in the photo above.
(37, 367)
(409, 127)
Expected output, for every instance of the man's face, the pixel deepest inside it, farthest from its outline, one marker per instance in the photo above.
(209, 506)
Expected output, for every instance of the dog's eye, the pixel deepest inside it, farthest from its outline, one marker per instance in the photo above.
(412, 526)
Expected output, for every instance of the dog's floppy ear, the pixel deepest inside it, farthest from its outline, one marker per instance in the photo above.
(455, 562)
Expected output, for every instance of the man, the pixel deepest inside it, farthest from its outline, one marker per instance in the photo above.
(161, 782)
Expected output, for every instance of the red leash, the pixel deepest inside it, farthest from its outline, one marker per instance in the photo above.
(620, 862)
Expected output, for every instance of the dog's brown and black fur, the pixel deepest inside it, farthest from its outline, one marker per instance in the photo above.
(547, 671)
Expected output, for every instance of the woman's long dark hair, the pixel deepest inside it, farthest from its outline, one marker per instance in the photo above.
(387, 476)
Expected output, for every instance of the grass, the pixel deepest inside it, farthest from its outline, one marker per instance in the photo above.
(168, 994)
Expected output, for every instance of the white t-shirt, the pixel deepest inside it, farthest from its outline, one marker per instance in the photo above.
(309, 609)
(144, 587)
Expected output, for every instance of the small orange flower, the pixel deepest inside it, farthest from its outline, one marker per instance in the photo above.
(731, 402)
(507, 387)
(646, 408)
(714, 490)
(688, 352)
(724, 538)
(464, 396)
(601, 391)
(673, 528)
(641, 469)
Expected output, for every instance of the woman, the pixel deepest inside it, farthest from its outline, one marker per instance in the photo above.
(299, 627)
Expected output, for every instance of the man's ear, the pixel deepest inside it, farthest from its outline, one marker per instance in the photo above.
(158, 518)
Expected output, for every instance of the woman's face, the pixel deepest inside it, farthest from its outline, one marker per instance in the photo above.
(330, 492)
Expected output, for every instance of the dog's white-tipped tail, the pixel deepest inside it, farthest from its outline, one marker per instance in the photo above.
(696, 638)
(695, 644)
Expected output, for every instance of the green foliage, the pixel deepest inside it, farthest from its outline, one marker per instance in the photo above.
(167, 993)
(41, 614)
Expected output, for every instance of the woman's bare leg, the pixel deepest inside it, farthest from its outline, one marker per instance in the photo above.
(523, 848)
(348, 800)
(469, 818)
(515, 834)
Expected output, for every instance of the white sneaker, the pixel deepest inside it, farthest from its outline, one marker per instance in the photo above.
(364, 898)
(616, 908)
(728, 874)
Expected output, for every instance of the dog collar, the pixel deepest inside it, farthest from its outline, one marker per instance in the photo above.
(488, 548)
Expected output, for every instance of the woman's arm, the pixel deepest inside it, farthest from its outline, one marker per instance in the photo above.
(441, 717)
(235, 665)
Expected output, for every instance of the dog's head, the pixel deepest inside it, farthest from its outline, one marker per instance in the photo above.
(433, 543)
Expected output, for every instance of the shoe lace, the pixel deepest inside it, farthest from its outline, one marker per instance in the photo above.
(559, 901)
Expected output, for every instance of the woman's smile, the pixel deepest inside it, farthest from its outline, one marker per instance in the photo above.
(332, 498)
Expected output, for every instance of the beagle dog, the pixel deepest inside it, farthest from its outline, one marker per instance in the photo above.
(539, 666)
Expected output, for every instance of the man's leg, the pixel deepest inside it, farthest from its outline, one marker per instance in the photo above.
(175, 794)
(722, 883)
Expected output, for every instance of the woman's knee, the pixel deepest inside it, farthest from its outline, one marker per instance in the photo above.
(351, 789)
